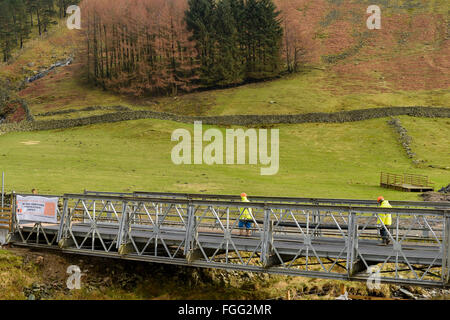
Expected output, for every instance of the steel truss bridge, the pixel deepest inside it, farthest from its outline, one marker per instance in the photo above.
(320, 238)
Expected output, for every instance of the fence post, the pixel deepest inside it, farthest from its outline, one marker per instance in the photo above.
(446, 250)
(352, 243)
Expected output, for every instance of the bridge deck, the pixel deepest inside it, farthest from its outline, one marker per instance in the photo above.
(290, 245)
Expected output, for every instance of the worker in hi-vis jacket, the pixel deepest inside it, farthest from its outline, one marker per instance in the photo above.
(245, 217)
(385, 219)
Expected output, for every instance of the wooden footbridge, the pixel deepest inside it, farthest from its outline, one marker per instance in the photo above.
(406, 182)
(323, 238)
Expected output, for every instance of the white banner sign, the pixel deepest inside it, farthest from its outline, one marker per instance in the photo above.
(37, 209)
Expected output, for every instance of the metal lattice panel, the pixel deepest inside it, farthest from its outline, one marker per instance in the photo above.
(306, 239)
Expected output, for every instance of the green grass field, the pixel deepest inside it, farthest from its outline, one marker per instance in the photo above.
(431, 139)
(316, 160)
(311, 91)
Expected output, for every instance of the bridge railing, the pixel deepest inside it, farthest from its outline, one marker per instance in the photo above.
(392, 179)
(5, 219)
(417, 242)
(5, 224)
(328, 241)
(293, 200)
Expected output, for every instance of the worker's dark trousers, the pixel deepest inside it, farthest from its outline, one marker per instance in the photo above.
(384, 233)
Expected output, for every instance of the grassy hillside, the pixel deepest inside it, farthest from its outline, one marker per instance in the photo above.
(316, 160)
(430, 139)
(406, 63)
(311, 91)
(410, 51)
(40, 52)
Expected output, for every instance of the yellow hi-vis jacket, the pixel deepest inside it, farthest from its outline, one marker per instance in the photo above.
(386, 218)
(245, 213)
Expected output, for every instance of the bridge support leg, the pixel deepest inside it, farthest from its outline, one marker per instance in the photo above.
(316, 221)
(446, 250)
(66, 243)
(191, 252)
(16, 234)
(64, 239)
(3, 236)
(353, 266)
(267, 257)
(65, 218)
(124, 246)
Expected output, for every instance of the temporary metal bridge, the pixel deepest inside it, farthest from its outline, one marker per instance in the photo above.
(323, 238)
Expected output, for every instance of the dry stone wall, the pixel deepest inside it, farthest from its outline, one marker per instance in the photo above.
(238, 120)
